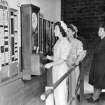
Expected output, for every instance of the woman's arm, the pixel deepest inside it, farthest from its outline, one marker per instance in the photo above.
(50, 57)
(49, 65)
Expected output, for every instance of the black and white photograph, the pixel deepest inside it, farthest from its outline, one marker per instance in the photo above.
(41, 34)
(52, 52)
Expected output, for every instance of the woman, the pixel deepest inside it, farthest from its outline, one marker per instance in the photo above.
(77, 54)
(97, 71)
(59, 66)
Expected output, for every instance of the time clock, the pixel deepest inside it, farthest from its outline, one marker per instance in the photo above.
(34, 20)
(30, 36)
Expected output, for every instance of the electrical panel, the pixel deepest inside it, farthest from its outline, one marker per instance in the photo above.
(8, 43)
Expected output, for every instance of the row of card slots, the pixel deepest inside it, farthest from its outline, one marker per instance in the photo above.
(12, 14)
(5, 37)
(14, 59)
(5, 64)
(3, 7)
(4, 26)
(3, 49)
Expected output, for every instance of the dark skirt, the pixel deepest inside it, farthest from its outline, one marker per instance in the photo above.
(97, 72)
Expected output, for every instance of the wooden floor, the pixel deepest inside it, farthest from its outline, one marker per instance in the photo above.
(85, 103)
(88, 89)
(101, 102)
(35, 100)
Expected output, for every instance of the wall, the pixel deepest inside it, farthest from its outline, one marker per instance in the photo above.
(50, 9)
(85, 14)
(21, 92)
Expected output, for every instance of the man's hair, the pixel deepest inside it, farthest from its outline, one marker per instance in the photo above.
(103, 26)
(71, 26)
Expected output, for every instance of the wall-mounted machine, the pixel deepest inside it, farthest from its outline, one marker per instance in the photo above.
(9, 49)
(31, 59)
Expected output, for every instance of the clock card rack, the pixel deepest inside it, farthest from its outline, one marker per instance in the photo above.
(9, 46)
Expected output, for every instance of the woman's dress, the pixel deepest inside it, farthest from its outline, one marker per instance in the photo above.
(61, 52)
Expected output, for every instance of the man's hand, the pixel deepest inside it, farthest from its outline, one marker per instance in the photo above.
(77, 63)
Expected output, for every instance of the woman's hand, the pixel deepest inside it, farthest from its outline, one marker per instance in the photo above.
(48, 65)
(49, 57)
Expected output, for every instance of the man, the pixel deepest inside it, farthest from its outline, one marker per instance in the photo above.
(97, 71)
(76, 55)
